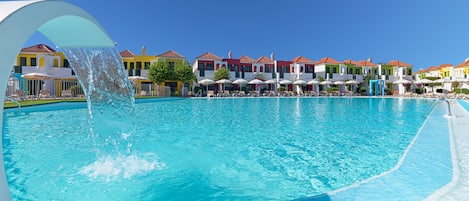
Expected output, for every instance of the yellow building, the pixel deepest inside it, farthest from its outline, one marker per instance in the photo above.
(41, 55)
(138, 66)
(445, 70)
(41, 58)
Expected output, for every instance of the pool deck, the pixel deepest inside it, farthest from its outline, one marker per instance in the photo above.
(458, 188)
(434, 167)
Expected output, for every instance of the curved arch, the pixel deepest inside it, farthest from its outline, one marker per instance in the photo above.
(64, 24)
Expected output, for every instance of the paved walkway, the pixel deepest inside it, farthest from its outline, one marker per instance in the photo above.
(435, 166)
(458, 188)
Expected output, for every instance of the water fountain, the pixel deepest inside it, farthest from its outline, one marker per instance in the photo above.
(66, 25)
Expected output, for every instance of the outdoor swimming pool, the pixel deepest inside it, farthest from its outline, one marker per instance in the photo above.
(210, 149)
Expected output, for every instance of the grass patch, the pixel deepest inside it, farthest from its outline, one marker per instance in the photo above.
(26, 103)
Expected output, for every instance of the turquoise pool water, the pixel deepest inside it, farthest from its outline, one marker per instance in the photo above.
(210, 149)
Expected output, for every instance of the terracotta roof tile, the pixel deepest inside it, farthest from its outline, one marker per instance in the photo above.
(367, 63)
(43, 48)
(246, 59)
(264, 59)
(208, 55)
(301, 59)
(171, 53)
(328, 60)
(445, 65)
(432, 68)
(349, 61)
(399, 63)
(463, 64)
(420, 71)
(127, 53)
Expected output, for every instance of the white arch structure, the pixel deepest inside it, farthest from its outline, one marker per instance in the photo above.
(64, 24)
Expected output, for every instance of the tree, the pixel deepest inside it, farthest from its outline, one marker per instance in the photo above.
(159, 72)
(183, 72)
(222, 73)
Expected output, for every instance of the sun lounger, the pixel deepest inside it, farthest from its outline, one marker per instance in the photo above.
(44, 94)
(210, 93)
(66, 93)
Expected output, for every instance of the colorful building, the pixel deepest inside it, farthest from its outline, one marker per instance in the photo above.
(53, 73)
(462, 69)
(139, 65)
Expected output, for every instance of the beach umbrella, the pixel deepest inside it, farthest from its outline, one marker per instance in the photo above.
(256, 81)
(338, 82)
(240, 82)
(134, 79)
(299, 82)
(315, 83)
(285, 82)
(352, 82)
(224, 82)
(271, 82)
(402, 81)
(424, 81)
(312, 82)
(441, 80)
(326, 82)
(37, 76)
(459, 80)
(206, 82)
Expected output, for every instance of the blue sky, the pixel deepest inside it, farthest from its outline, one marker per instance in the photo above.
(420, 32)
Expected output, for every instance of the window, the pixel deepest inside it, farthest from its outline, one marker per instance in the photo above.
(131, 69)
(139, 65)
(209, 66)
(236, 69)
(248, 69)
(139, 68)
(125, 65)
(334, 70)
(66, 64)
(171, 65)
(18, 69)
(357, 71)
(328, 70)
(201, 70)
(23, 61)
(146, 65)
(33, 62)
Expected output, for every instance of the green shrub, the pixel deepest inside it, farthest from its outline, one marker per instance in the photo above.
(464, 91)
(362, 90)
(331, 89)
(281, 89)
(419, 90)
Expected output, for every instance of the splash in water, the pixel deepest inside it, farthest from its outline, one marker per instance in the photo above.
(110, 98)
